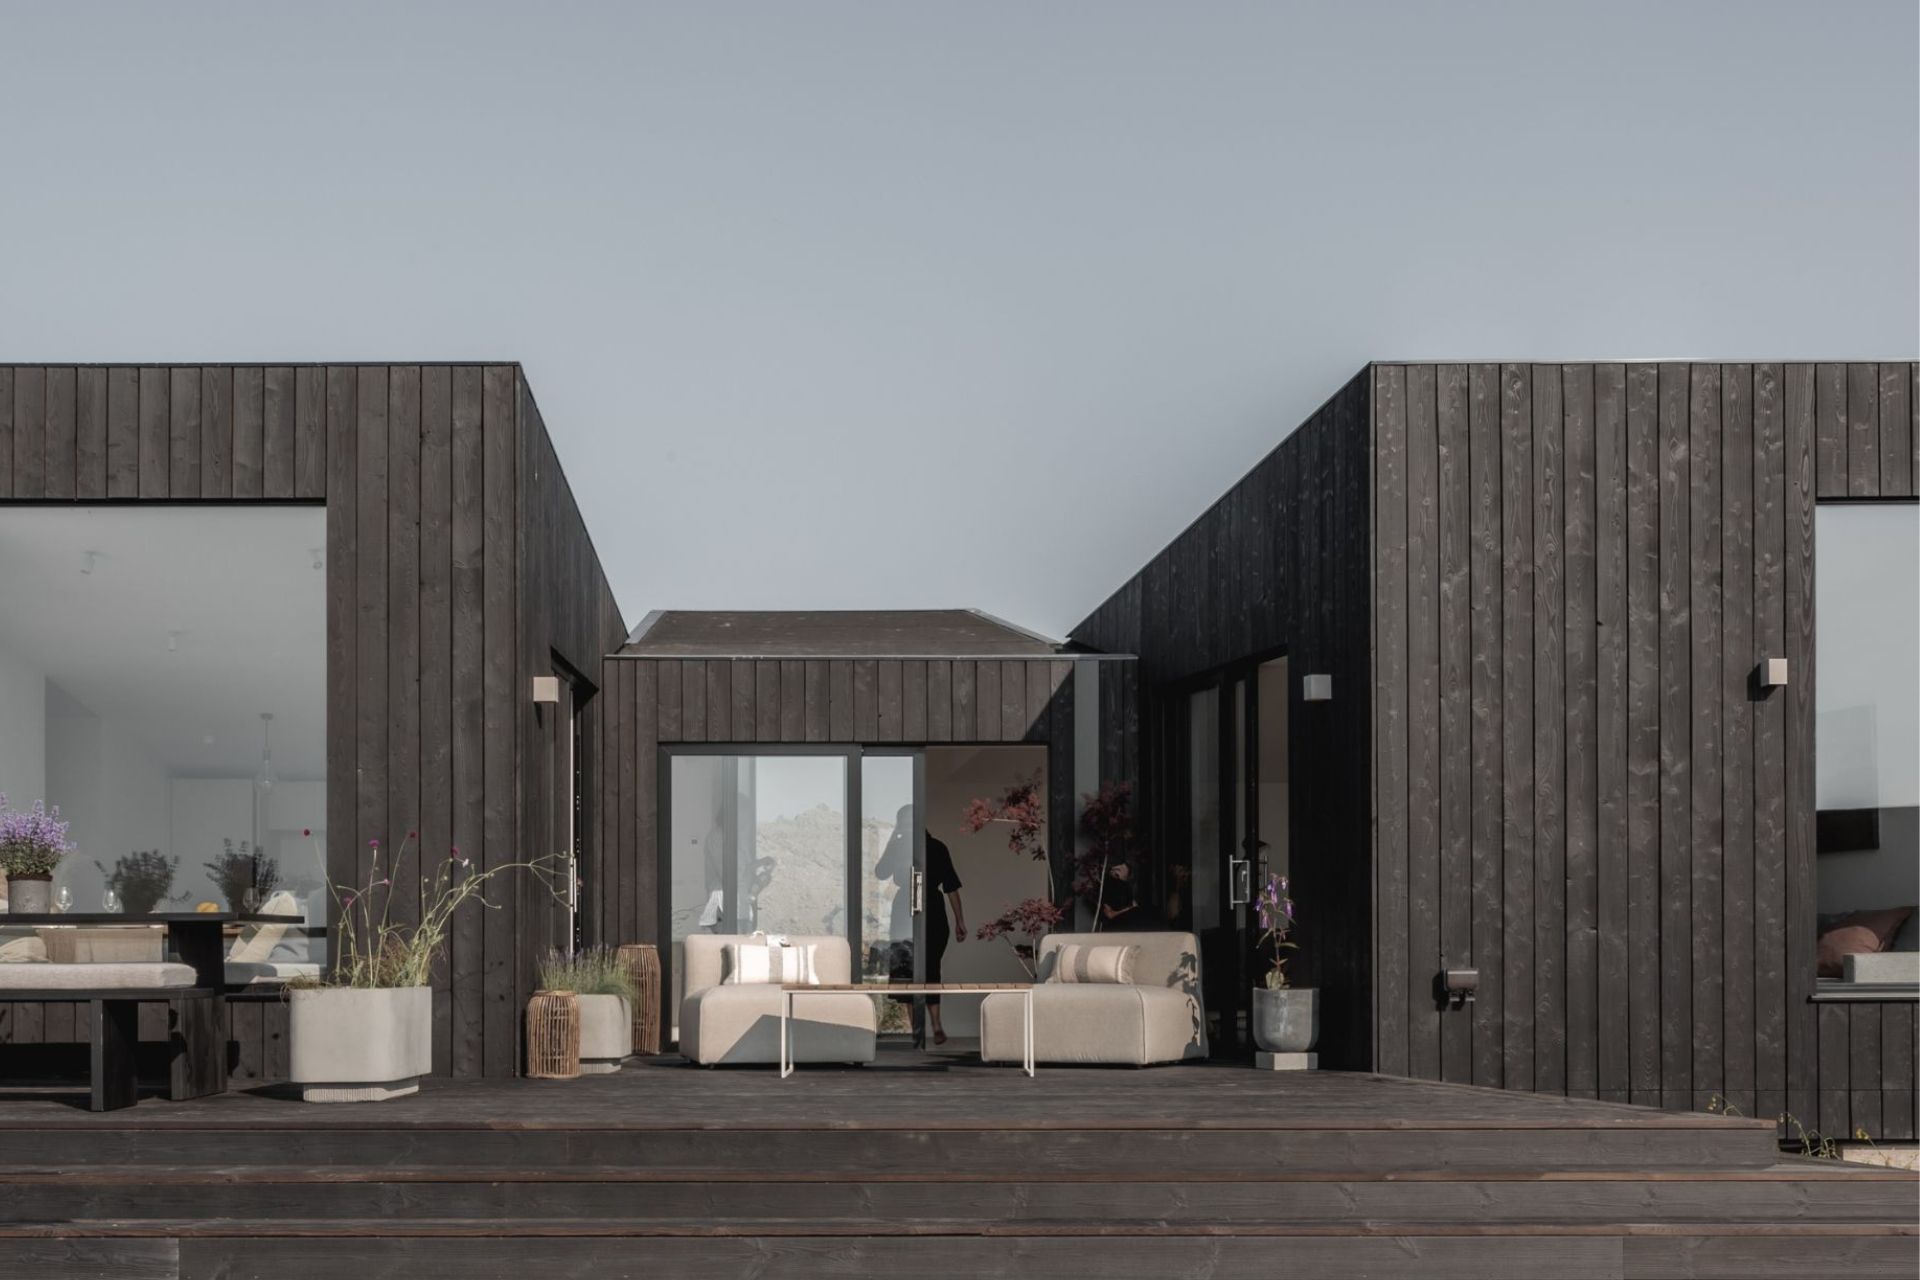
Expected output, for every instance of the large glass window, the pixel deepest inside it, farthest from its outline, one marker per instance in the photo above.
(1867, 725)
(163, 681)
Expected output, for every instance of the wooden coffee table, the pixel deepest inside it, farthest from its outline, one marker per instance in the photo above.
(791, 989)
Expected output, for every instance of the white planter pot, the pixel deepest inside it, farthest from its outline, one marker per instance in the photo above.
(606, 1033)
(360, 1044)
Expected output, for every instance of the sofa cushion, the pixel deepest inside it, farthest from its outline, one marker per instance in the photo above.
(1110, 963)
(740, 1023)
(1095, 1022)
(763, 962)
(258, 944)
(27, 950)
(1858, 933)
(243, 973)
(105, 944)
(700, 957)
(1882, 966)
(96, 977)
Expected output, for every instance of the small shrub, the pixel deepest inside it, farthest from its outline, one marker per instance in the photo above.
(594, 971)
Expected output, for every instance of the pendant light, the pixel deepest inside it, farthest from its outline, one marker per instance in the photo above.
(263, 777)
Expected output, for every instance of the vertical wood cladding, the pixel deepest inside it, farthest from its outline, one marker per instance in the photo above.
(1640, 863)
(654, 702)
(457, 569)
(1550, 585)
(1280, 564)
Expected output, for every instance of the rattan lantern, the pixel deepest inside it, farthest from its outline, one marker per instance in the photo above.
(643, 962)
(553, 1035)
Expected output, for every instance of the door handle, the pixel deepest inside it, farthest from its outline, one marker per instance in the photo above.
(919, 891)
(1239, 882)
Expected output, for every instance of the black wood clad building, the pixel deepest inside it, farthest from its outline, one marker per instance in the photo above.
(1542, 592)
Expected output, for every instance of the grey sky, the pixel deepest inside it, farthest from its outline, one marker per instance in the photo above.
(894, 304)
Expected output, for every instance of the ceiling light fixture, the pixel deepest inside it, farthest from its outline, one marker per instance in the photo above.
(263, 777)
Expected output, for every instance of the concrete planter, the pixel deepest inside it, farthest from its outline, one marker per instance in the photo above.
(1286, 1019)
(606, 1033)
(360, 1044)
(30, 895)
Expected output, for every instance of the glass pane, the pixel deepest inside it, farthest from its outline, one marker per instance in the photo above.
(135, 694)
(1203, 791)
(889, 831)
(758, 843)
(1867, 709)
(1272, 783)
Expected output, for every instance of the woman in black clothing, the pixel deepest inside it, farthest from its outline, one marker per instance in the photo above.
(943, 887)
(1118, 910)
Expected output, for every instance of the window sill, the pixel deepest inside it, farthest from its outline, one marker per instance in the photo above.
(1830, 990)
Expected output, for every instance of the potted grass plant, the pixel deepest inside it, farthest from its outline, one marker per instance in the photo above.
(1286, 1018)
(245, 876)
(32, 842)
(603, 985)
(363, 1030)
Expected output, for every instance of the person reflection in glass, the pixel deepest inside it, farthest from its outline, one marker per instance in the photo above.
(943, 892)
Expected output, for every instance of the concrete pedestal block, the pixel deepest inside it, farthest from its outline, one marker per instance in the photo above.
(1286, 1061)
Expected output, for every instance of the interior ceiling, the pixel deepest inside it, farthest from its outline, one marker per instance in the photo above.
(236, 590)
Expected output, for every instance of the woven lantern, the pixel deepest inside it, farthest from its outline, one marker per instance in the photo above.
(553, 1035)
(643, 962)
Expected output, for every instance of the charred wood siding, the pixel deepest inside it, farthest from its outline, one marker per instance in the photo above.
(653, 702)
(1549, 586)
(1637, 538)
(457, 568)
(1280, 565)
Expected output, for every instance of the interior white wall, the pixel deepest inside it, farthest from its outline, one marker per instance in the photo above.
(1867, 642)
(114, 795)
(992, 877)
(23, 713)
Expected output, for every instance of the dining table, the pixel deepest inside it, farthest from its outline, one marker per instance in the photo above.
(198, 938)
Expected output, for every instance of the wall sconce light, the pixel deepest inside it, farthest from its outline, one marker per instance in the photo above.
(1316, 688)
(1772, 673)
(546, 689)
(1454, 988)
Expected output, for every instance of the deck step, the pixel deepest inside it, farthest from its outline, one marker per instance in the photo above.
(1062, 1151)
(1803, 1191)
(423, 1249)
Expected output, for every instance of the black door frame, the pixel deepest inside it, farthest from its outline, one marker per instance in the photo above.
(1237, 796)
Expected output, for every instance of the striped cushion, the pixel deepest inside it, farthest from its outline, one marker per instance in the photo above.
(756, 962)
(1111, 963)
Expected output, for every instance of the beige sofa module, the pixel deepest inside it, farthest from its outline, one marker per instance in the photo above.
(1158, 1017)
(126, 976)
(740, 1022)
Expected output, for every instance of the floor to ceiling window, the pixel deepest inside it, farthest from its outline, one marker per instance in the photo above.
(1867, 734)
(163, 682)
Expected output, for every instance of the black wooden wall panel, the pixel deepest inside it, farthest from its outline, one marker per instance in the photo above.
(649, 703)
(457, 568)
(1279, 565)
(1642, 885)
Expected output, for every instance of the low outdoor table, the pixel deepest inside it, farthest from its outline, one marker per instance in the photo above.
(791, 989)
(197, 937)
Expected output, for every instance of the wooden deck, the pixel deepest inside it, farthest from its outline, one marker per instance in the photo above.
(929, 1166)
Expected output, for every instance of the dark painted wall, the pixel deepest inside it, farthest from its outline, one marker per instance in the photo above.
(456, 565)
(1279, 563)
